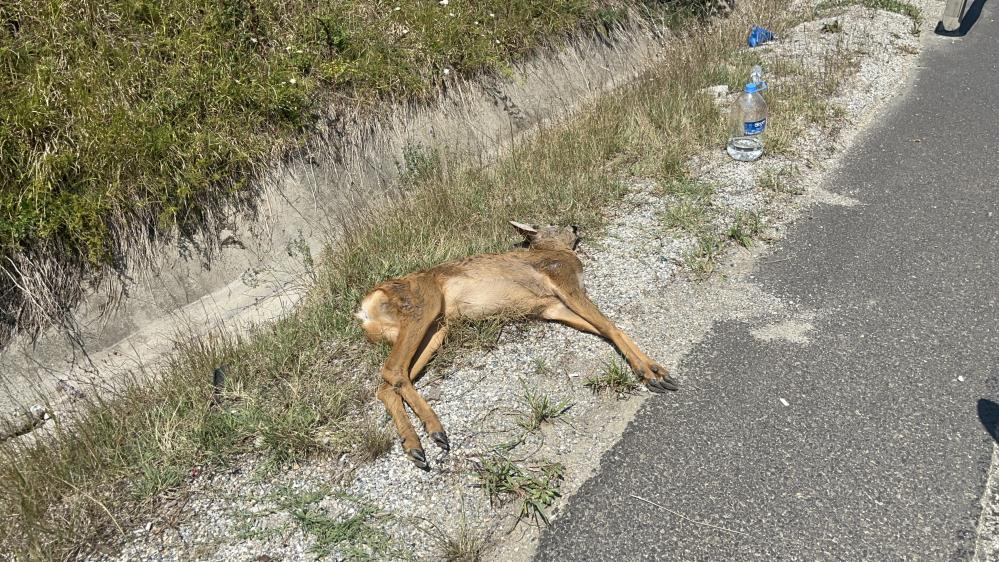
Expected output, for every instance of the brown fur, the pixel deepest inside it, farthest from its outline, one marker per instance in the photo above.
(544, 280)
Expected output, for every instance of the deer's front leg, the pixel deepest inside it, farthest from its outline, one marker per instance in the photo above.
(580, 313)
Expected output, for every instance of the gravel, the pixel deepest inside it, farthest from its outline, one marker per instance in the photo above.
(634, 272)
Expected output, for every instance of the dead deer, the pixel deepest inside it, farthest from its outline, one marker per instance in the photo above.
(542, 278)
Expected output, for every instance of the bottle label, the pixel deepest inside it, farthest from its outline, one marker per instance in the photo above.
(754, 127)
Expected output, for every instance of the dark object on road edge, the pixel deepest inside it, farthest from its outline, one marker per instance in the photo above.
(218, 383)
(988, 414)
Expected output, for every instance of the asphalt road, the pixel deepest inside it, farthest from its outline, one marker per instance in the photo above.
(880, 453)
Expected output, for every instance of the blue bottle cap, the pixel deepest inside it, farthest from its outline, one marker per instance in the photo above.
(751, 88)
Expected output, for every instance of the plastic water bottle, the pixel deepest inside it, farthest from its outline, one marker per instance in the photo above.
(748, 120)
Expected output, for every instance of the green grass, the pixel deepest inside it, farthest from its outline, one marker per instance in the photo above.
(354, 536)
(540, 408)
(703, 258)
(535, 487)
(690, 210)
(616, 378)
(686, 188)
(464, 335)
(745, 227)
(298, 388)
(687, 216)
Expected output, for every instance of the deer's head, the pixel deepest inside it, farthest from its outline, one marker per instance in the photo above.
(548, 237)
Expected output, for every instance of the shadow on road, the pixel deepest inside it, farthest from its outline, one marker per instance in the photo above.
(988, 414)
(971, 16)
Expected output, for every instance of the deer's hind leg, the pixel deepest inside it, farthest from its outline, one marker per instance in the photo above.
(432, 343)
(423, 309)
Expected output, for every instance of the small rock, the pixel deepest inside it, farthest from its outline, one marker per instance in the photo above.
(719, 91)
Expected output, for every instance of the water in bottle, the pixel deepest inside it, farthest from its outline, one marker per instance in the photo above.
(748, 121)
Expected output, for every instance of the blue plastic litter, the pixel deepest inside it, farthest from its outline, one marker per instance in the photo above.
(759, 35)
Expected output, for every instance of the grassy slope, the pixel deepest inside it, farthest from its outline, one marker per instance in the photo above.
(134, 118)
(298, 388)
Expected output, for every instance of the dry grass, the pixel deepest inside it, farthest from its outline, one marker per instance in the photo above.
(373, 440)
(298, 388)
(465, 545)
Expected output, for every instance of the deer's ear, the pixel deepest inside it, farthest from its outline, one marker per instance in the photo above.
(527, 230)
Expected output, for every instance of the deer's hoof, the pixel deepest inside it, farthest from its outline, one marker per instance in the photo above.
(440, 438)
(419, 458)
(661, 385)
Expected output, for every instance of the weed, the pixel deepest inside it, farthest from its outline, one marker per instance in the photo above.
(541, 367)
(421, 164)
(692, 210)
(703, 259)
(299, 248)
(373, 440)
(687, 216)
(686, 189)
(288, 498)
(536, 487)
(779, 181)
(541, 408)
(363, 541)
(246, 528)
(354, 536)
(466, 335)
(466, 545)
(745, 227)
(615, 378)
